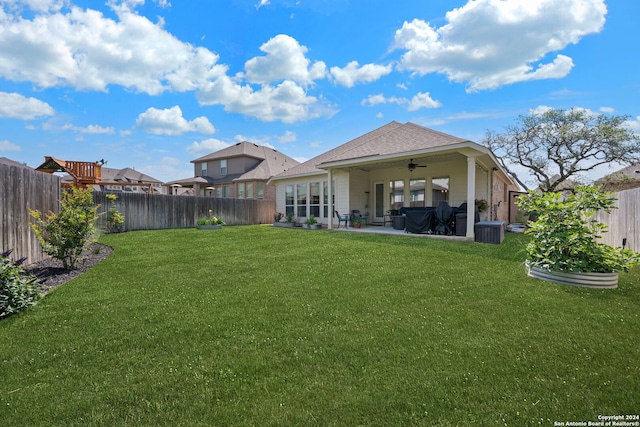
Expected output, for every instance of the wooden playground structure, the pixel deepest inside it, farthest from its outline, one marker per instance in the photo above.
(84, 174)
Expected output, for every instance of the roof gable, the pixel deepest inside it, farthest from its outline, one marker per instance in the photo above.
(243, 148)
(392, 138)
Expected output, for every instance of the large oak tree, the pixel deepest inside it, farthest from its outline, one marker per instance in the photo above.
(559, 145)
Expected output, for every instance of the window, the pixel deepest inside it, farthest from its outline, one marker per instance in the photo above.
(314, 199)
(396, 194)
(440, 190)
(226, 191)
(417, 192)
(218, 192)
(223, 167)
(288, 199)
(249, 193)
(241, 190)
(261, 190)
(204, 169)
(301, 200)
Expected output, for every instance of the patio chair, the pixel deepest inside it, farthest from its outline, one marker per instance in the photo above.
(444, 219)
(342, 218)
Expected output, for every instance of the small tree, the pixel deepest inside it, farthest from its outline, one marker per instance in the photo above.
(66, 234)
(559, 145)
(564, 237)
(115, 220)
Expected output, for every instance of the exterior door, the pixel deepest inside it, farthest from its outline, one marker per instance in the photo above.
(378, 202)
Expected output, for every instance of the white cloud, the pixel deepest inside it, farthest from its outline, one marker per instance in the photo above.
(353, 73)
(9, 146)
(88, 51)
(608, 110)
(16, 106)
(35, 5)
(285, 60)
(170, 122)
(262, 3)
(287, 102)
(91, 129)
(634, 125)
(421, 100)
(288, 136)
(207, 146)
(376, 99)
(491, 43)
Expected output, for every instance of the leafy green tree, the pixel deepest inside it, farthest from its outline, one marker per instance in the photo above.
(565, 235)
(559, 145)
(66, 234)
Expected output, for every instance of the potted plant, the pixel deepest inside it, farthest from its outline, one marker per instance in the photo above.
(209, 222)
(356, 222)
(283, 220)
(564, 245)
(311, 223)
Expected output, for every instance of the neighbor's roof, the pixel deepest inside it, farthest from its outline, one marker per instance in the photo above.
(125, 176)
(392, 138)
(273, 161)
(9, 162)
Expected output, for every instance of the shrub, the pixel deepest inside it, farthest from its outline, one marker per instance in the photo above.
(564, 236)
(115, 220)
(66, 234)
(210, 220)
(18, 289)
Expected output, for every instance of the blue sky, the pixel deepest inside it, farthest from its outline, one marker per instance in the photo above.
(154, 84)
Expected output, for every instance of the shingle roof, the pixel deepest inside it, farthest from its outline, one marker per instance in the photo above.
(243, 148)
(392, 138)
(9, 162)
(126, 175)
(273, 161)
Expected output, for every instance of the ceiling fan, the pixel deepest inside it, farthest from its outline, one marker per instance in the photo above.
(412, 166)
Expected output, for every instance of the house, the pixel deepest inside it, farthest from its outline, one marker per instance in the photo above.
(8, 162)
(123, 180)
(240, 171)
(395, 166)
(624, 179)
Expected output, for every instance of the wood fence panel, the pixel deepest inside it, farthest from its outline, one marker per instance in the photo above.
(23, 189)
(157, 211)
(623, 221)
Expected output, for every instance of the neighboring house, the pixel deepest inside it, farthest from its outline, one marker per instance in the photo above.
(624, 179)
(397, 165)
(240, 171)
(124, 180)
(8, 162)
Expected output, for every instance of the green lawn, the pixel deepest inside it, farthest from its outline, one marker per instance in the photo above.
(256, 325)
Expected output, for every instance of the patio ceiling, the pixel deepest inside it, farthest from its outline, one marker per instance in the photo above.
(402, 161)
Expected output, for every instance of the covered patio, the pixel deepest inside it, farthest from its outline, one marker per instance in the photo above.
(394, 169)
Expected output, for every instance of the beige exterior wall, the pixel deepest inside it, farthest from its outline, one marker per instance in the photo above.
(355, 188)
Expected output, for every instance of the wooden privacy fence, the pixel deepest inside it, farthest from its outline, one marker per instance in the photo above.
(155, 211)
(21, 189)
(623, 222)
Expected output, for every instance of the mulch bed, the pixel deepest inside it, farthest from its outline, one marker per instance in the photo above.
(53, 275)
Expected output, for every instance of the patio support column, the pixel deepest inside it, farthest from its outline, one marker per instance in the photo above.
(331, 209)
(471, 196)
